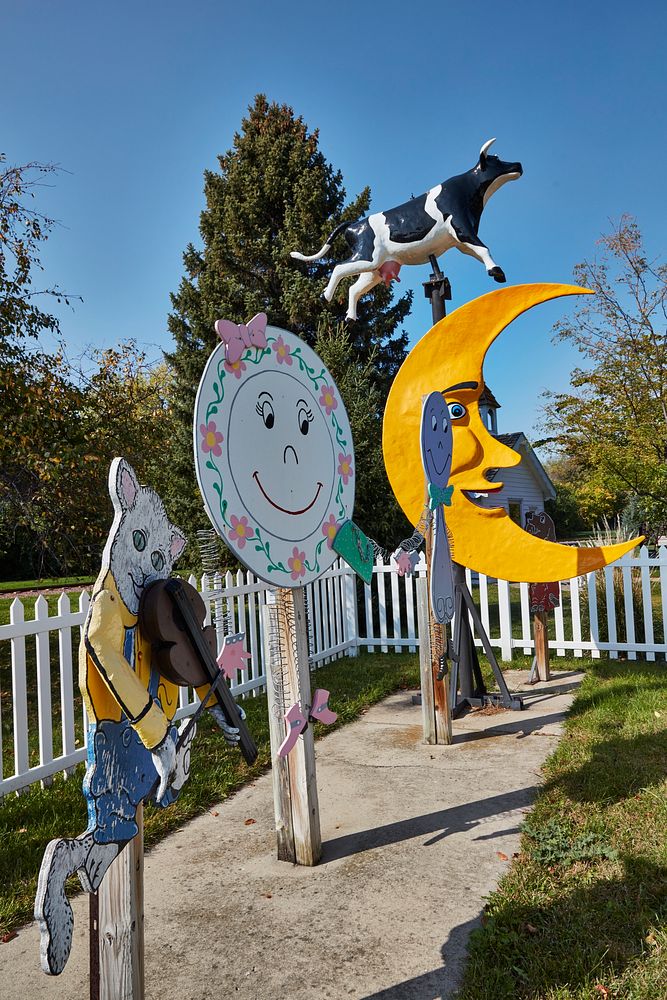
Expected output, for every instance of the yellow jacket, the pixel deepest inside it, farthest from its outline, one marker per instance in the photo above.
(111, 686)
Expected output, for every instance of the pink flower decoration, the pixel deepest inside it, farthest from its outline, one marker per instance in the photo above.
(328, 399)
(283, 355)
(344, 466)
(211, 438)
(297, 563)
(241, 531)
(330, 530)
(235, 368)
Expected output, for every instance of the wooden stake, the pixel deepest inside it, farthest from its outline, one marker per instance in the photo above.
(438, 690)
(541, 645)
(425, 664)
(297, 813)
(120, 923)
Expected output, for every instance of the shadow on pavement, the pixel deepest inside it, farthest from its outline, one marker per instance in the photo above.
(440, 983)
(576, 940)
(523, 726)
(441, 823)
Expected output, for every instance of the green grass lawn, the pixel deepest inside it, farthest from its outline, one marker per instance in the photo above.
(585, 903)
(8, 586)
(29, 821)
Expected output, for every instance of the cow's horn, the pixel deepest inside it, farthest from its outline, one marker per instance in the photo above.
(483, 151)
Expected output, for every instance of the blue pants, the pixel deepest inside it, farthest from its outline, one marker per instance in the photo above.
(120, 775)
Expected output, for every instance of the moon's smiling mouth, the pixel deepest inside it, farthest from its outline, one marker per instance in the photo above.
(284, 510)
(478, 500)
(439, 471)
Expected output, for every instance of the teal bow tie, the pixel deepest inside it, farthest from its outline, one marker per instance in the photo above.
(439, 495)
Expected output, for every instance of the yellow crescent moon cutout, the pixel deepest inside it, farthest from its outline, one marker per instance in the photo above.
(450, 358)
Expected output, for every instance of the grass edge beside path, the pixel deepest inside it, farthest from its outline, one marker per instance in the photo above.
(29, 821)
(581, 913)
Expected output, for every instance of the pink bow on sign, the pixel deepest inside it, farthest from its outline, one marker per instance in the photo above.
(297, 722)
(232, 654)
(237, 336)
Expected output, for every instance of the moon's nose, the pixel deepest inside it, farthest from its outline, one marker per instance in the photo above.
(290, 448)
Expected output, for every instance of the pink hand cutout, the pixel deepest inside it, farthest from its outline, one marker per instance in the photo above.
(319, 710)
(296, 722)
(232, 654)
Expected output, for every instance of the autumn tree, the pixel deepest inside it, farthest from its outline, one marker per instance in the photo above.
(72, 419)
(27, 375)
(274, 192)
(62, 420)
(612, 424)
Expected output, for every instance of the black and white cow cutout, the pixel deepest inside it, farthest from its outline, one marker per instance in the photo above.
(446, 216)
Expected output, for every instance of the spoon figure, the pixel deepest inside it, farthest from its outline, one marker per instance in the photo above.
(436, 453)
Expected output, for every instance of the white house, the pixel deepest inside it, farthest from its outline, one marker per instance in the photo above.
(526, 486)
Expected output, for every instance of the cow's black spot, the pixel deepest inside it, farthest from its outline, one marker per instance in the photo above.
(409, 222)
(361, 239)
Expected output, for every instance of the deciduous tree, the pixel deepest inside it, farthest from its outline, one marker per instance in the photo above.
(614, 419)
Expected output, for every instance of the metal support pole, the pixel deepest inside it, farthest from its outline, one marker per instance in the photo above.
(466, 651)
(438, 290)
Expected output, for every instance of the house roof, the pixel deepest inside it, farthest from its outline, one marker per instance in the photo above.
(511, 440)
(519, 442)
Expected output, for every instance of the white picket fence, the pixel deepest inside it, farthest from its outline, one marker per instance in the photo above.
(623, 614)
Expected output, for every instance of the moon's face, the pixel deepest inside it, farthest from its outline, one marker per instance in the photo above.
(436, 439)
(281, 455)
(449, 360)
(274, 458)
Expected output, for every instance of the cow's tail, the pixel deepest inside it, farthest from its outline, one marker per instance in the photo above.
(325, 249)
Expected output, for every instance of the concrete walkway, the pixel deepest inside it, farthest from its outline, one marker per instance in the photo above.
(412, 836)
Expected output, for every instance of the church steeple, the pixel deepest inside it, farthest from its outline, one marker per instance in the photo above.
(488, 405)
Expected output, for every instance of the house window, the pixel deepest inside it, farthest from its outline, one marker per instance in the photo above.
(514, 507)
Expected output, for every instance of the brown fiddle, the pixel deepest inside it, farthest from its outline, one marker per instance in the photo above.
(171, 616)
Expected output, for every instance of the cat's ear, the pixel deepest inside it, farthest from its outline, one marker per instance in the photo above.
(177, 544)
(123, 484)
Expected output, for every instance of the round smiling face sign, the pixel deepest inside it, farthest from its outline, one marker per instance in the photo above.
(274, 457)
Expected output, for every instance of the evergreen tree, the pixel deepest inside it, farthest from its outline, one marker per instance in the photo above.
(376, 510)
(274, 192)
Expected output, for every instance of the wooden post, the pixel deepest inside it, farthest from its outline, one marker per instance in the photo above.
(438, 633)
(297, 813)
(541, 645)
(436, 714)
(425, 662)
(120, 923)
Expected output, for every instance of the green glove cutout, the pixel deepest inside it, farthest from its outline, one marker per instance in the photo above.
(356, 549)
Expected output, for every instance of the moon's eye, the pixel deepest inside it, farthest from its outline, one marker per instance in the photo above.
(265, 411)
(434, 423)
(305, 419)
(444, 425)
(139, 540)
(457, 410)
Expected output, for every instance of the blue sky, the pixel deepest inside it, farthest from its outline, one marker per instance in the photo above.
(135, 100)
